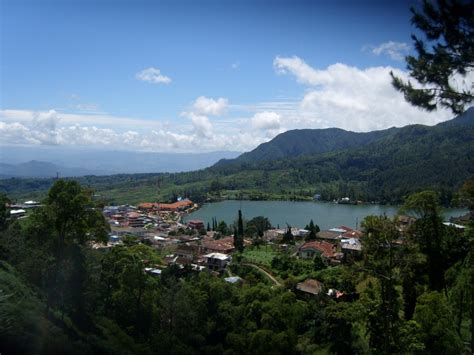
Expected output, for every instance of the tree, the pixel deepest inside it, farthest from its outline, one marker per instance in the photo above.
(427, 233)
(239, 234)
(313, 230)
(382, 260)
(258, 225)
(66, 221)
(435, 318)
(288, 237)
(449, 26)
(222, 228)
(3, 211)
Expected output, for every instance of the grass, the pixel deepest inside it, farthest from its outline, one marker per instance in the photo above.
(262, 256)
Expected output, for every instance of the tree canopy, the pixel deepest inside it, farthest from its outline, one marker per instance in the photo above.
(442, 69)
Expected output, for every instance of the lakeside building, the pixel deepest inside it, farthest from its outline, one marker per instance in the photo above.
(171, 207)
(195, 224)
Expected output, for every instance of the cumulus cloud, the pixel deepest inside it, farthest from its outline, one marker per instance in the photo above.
(209, 106)
(51, 127)
(202, 125)
(395, 50)
(266, 120)
(153, 75)
(304, 73)
(351, 98)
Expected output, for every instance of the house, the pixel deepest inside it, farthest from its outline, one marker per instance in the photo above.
(351, 247)
(352, 234)
(135, 220)
(217, 261)
(331, 235)
(187, 251)
(148, 206)
(309, 249)
(176, 206)
(310, 287)
(223, 245)
(17, 213)
(195, 224)
(172, 207)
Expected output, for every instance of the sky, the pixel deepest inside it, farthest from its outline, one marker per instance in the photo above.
(199, 76)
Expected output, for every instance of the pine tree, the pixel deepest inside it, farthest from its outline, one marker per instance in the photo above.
(449, 26)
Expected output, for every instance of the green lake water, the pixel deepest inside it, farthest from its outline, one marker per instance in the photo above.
(298, 214)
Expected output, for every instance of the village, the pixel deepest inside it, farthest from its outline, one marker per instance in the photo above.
(193, 246)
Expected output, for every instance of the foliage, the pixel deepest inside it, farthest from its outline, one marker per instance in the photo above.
(110, 304)
(438, 333)
(449, 25)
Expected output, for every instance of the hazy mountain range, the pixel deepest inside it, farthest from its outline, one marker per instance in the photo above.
(48, 161)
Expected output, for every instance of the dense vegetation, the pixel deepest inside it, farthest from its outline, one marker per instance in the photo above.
(388, 167)
(409, 293)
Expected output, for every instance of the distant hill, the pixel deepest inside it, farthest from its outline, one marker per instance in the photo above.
(40, 169)
(95, 162)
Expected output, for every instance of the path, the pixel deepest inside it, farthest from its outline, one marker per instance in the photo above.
(270, 276)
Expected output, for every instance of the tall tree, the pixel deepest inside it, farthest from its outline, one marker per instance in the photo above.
(66, 220)
(3, 211)
(382, 260)
(449, 27)
(427, 233)
(239, 234)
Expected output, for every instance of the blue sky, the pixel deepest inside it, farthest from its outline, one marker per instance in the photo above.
(199, 75)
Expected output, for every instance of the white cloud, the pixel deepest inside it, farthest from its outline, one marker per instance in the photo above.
(351, 98)
(153, 75)
(395, 50)
(209, 106)
(304, 73)
(202, 125)
(266, 120)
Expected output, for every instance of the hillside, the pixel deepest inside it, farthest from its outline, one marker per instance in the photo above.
(395, 163)
(300, 142)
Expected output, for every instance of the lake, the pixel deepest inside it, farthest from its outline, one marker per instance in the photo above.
(298, 214)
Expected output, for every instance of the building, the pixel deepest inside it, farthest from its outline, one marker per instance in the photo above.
(223, 245)
(310, 249)
(187, 251)
(195, 224)
(310, 287)
(17, 213)
(217, 261)
(330, 235)
(351, 247)
(135, 220)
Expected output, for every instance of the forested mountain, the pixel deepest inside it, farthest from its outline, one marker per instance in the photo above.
(301, 142)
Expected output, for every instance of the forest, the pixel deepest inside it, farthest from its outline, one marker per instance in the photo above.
(410, 292)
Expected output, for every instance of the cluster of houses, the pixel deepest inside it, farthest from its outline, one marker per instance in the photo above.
(19, 210)
(159, 225)
(335, 244)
